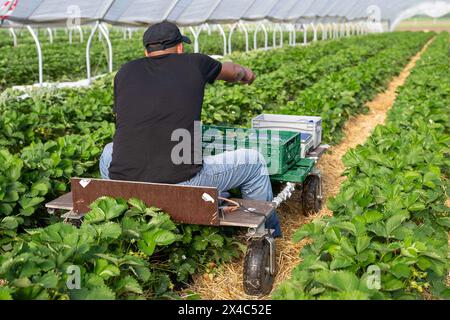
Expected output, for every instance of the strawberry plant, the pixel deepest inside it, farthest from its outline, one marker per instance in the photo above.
(388, 238)
(123, 250)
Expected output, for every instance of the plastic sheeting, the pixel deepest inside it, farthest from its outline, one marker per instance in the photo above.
(146, 12)
(196, 12)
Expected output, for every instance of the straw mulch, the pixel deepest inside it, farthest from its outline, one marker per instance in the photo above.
(226, 283)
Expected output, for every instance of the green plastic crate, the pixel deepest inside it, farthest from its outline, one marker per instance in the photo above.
(296, 173)
(281, 149)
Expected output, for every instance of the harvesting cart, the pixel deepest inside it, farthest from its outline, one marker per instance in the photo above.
(291, 146)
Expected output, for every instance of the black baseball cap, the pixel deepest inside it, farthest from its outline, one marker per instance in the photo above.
(163, 35)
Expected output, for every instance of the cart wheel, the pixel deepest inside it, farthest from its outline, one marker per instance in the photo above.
(257, 277)
(75, 222)
(311, 199)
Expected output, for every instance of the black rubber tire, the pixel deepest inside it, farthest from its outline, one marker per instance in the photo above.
(311, 201)
(257, 278)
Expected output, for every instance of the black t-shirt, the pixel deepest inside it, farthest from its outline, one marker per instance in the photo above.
(153, 98)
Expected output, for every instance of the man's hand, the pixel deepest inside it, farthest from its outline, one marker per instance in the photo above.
(233, 73)
(249, 77)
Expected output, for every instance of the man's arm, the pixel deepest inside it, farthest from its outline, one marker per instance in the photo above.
(232, 72)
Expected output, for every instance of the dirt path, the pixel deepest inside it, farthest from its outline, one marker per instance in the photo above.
(227, 283)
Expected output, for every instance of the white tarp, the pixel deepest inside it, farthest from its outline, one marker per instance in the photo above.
(195, 12)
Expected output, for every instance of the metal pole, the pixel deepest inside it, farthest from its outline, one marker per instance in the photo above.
(224, 36)
(88, 51)
(110, 51)
(39, 51)
(294, 35)
(305, 33)
(313, 26)
(281, 34)
(229, 36)
(195, 34)
(14, 36)
(50, 35)
(208, 28)
(80, 31)
(242, 25)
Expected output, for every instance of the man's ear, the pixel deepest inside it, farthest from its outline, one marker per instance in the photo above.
(180, 48)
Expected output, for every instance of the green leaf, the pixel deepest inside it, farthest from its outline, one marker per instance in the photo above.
(147, 247)
(400, 270)
(372, 216)
(10, 223)
(423, 263)
(341, 261)
(95, 293)
(347, 246)
(11, 196)
(164, 238)
(350, 227)
(105, 270)
(395, 221)
(108, 230)
(393, 285)
(333, 235)
(138, 204)
(362, 242)
(105, 208)
(344, 281)
(30, 202)
(49, 280)
(431, 179)
(129, 284)
(39, 188)
(5, 293)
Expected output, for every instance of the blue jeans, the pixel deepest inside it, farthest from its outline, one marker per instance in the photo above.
(244, 169)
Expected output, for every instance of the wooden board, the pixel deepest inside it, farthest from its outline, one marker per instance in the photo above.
(185, 204)
(241, 218)
(62, 203)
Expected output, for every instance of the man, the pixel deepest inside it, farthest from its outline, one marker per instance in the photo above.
(157, 95)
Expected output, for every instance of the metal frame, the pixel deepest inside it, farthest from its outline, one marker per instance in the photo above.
(305, 33)
(224, 36)
(80, 31)
(101, 27)
(196, 33)
(14, 36)
(314, 27)
(323, 30)
(104, 30)
(39, 51)
(50, 35)
(292, 34)
(266, 36)
(278, 28)
(232, 28)
(88, 51)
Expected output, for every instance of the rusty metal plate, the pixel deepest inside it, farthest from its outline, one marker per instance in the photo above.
(62, 203)
(185, 204)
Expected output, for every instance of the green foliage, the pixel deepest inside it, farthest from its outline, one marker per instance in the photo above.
(114, 263)
(390, 213)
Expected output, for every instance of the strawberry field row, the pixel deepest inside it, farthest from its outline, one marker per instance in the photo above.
(41, 171)
(51, 114)
(388, 237)
(67, 62)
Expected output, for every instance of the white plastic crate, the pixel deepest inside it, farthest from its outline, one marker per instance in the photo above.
(305, 124)
(307, 144)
